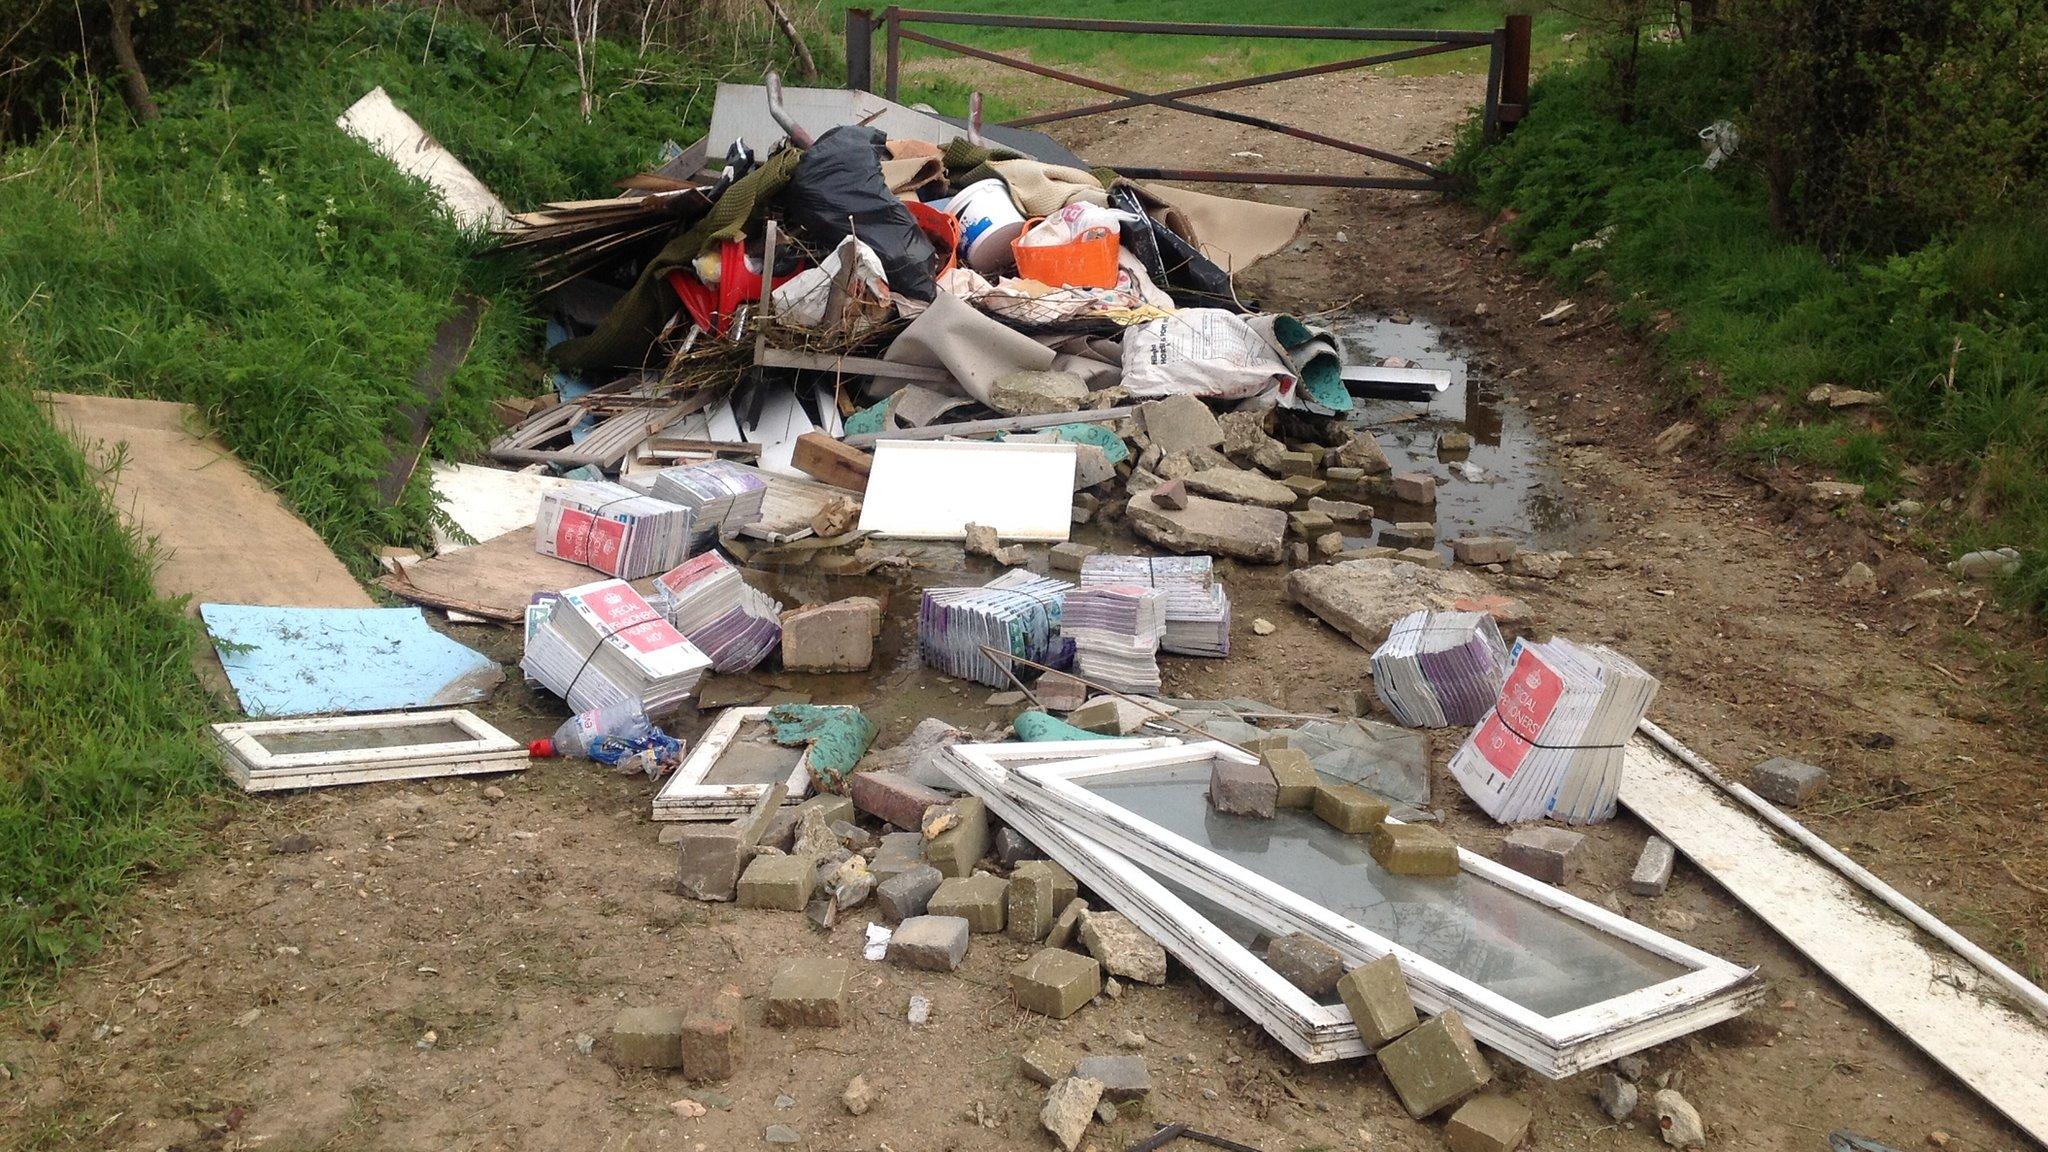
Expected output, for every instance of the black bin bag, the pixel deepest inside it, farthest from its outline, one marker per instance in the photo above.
(838, 189)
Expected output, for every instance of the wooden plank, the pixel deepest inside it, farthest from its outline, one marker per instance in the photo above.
(849, 365)
(998, 424)
(821, 457)
(452, 341)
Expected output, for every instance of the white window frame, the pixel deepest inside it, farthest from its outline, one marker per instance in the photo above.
(257, 769)
(685, 795)
(1557, 1046)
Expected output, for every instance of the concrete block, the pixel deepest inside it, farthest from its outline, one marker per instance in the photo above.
(1110, 716)
(1653, 868)
(1480, 551)
(829, 807)
(1060, 692)
(1307, 963)
(1377, 996)
(899, 852)
(1549, 854)
(782, 883)
(1124, 1078)
(980, 900)
(711, 1039)
(1414, 850)
(894, 798)
(1415, 488)
(1242, 789)
(933, 943)
(648, 1038)
(1066, 927)
(1068, 557)
(1055, 983)
(808, 993)
(907, 893)
(1011, 848)
(1408, 534)
(1179, 423)
(709, 860)
(1305, 487)
(1048, 1062)
(1297, 463)
(1349, 808)
(1342, 511)
(1435, 1065)
(1487, 1124)
(1786, 782)
(1029, 907)
(955, 851)
(1069, 1107)
(1293, 775)
(1308, 525)
(835, 637)
(1341, 476)
(1122, 948)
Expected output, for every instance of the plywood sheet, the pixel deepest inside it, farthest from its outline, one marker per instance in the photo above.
(495, 579)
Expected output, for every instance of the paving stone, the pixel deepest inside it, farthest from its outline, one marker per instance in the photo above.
(710, 858)
(1349, 808)
(1124, 1078)
(1029, 907)
(1307, 963)
(1415, 488)
(648, 1038)
(1342, 511)
(1293, 774)
(1069, 1106)
(1377, 996)
(959, 848)
(1066, 927)
(1305, 487)
(1055, 983)
(809, 993)
(1240, 487)
(782, 883)
(711, 1039)
(907, 893)
(1408, 534)
(1068, 557)
(1064, 886)
(1060, 692)
(1011, 848)
(1047, 1062)
(1414, 850)
(1426, 557)
(835, 637)
(1242, 789)
(980, 900)
(1487, 1124)
(1786, 782)
(1178, 423)
(933, 943)
(1653, 868)
(899, 852)
(1218, 527)
(1549, 854)
(1308, 525)
(893, 797)
(1122, 948)
(1435, 1065)
(1480, 551)
(1297, 463)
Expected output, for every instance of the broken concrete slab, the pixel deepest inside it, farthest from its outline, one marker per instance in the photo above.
(1306, 962)
(1342, 511)
(1114, 715)
(1408, 534)
(648, 1038)
(1179, 423)
(1308, 525)
(809, 993)
(1055, 983)
(1069, 556)
(1066, 927)
(1239, 487)
(1414, 850)
(982, 900)
(1548, 854)
(931, 943)
(710, 858)
(1243, 789)
(1239, 531)
(1363, 598)
(1122, 948)
(1377, 997)
(1435, 1065)
(835, 637)
(1069, 1107)
(1365, 454)
(1037, 393)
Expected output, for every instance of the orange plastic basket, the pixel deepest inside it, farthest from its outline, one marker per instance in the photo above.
(1082, 264)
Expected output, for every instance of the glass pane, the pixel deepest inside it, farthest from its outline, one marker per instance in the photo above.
(363, 739)
(1231, 924)
(754, 757)
(1504, 942)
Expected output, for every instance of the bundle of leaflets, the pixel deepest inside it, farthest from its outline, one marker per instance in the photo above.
(735, 625)
(1552, 744)
(612, 528)
(601, 644)
(1017, 613)
(1116, 629)
(1197, 608)
(718, 493)
(1440, 668)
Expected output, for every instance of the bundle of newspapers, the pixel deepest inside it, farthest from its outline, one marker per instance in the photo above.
(1440, 668)
(612, 528)
(1197, 608)
(719, 494)
(1552, 743)
(1116, 629)
(735, 625)
(1017, 614)
(601, 643)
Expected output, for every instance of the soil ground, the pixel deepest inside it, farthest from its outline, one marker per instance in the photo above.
(418, 966)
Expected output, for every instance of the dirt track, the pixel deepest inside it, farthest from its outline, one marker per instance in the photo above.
(283, 1000)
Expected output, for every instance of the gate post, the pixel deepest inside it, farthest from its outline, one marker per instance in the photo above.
(893, 48)
(1514, 77)
(860, 53)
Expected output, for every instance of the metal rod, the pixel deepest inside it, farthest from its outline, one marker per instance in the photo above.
(1219, 176)
(773, 82)
(1495, 60)
(1920, 918)
(1176, 28)
(1380, 154)
(998, 655)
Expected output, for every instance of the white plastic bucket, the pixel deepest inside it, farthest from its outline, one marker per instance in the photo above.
(989, 220)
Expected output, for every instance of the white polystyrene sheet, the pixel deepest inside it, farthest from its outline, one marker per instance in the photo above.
(488, 502)
(397, 137)
(933, 489)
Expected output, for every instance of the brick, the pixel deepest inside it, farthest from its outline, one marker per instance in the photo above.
(1060, 692)
(1055, 983)
(648, 1038)
(1122, 948)
(1068, 557)
(899, 852)
(1487, 1124)
(1549, 854)
(1653, 868)
(1067, 925)
(709, 860)
(1029, 908)
(1415, 488)
(711, 1039)
(1305, 962)
(907, 893)
(1293, 775)
(782, 883)
(1787, 782)
(1480, 551)
(1305, 487)
(1414, 850)
(1011, 848)
(1124, 1078)
(959, 848)
(1242, 789)
(1047, 1062)
(932, 943)
(1377, 996)
(1069, 1107)
(894, 798)
(1349, 808)
(1408, 534)
(980, 900)
(808, 993)
(835, 637)
(1435, 1065)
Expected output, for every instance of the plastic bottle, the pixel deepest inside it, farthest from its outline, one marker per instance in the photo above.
(609, 735)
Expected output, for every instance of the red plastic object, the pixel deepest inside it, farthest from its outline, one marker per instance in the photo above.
(713, 308)
(941, 228)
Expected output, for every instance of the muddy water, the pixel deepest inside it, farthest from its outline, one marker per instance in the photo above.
(1505, 486)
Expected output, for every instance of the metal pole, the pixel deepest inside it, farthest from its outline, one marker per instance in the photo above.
(1514, 77)
(893, 50)
(860, 49)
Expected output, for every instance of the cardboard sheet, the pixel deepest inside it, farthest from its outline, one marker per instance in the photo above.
(311, 661)
(495, 579)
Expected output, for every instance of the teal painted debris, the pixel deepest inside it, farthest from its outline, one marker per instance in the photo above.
(839, 736)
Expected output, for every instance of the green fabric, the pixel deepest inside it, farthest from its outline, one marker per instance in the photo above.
(868, 420)
(633, 323)
(839, 736)
(1322, 375)
(1038, 726)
